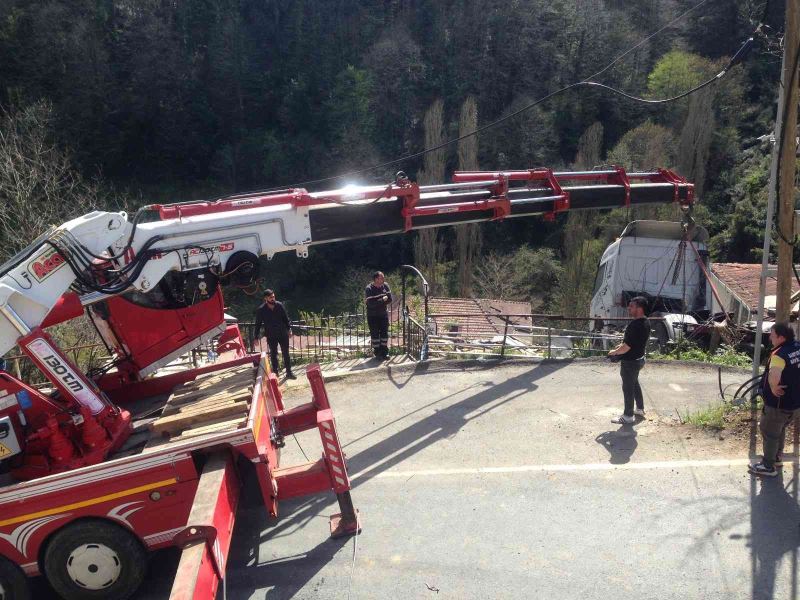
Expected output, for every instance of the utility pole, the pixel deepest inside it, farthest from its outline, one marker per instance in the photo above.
(786, 166)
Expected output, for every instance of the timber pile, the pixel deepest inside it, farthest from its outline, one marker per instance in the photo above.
(211, 403)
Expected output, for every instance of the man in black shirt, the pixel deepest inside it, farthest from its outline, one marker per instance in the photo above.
(631, 356)
(272, 315)
(378, 297)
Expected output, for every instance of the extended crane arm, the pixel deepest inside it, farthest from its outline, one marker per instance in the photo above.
(103, 254)
(152, 283)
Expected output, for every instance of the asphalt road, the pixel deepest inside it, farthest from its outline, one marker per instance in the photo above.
(510, 482)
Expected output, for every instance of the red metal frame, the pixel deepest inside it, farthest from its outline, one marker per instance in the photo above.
(496, 182)
(56, 441)
(144, 335)
(155, 494)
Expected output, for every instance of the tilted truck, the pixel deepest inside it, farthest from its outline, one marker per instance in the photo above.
(664, 262)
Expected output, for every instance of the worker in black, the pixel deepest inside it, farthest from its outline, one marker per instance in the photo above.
(379, 297)
(780, 388)
(272, 315)
(631, 360)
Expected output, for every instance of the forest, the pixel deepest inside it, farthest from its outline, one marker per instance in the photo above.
(114, 104)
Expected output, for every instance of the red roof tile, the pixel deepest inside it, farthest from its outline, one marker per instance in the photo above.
(743, 280)
(475, 317)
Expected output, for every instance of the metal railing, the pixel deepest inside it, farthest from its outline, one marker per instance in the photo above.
(531, 335)
(327, 338)
(415, 340)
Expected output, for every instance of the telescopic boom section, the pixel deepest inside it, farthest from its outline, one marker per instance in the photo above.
(353, 211)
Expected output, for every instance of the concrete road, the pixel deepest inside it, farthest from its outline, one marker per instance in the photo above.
(510, 482)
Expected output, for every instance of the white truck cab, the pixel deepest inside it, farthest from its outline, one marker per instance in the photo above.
(651, 259)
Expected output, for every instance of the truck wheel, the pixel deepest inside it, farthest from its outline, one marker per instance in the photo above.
(92, 559)
(13, 583)
(662, 336)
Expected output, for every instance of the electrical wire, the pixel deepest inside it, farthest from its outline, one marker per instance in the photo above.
(355, 551)
(738, 57)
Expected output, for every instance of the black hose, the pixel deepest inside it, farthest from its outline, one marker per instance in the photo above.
(748, 383)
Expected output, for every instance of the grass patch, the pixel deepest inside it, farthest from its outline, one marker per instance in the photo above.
(725, 355)
(724, 415)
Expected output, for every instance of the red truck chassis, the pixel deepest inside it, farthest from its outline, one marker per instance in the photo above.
(88, 529)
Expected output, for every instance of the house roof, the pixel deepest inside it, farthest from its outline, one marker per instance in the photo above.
(475, 317)
(743, 279)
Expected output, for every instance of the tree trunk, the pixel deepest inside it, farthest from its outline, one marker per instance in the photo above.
(468, 237)
(428, 252)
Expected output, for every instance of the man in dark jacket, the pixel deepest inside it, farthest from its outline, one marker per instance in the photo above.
(780, 388)
(272, 315)
(631, 360)
(378, 296)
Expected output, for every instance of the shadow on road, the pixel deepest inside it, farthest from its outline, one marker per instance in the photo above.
(621, 444)
(774, 521)
(286, 576)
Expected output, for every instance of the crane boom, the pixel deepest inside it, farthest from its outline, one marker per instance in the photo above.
(151, 283)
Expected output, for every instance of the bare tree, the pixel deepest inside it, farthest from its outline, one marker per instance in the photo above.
(428, 250)
(695, 139)
(39, 188)
(38, 185)
(468, 237)
(493, 278)
(590, 147)
(576, 278)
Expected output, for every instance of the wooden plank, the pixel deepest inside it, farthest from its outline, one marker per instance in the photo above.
(233, 370)
(180, 421)
(188, 406)
(200, 409)
(206, 408)
(215, 427)
(192, 387)
(212, 379)
(211, 392)
(171, 410)
(208, 427)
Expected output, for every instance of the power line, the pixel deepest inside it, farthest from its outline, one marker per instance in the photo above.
(740, 54)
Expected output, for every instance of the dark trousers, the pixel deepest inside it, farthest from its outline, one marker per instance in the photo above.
(774, 422)
(631, 390)
(379, 333)
(273, 339)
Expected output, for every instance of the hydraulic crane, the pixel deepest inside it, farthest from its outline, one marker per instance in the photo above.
(151, 285)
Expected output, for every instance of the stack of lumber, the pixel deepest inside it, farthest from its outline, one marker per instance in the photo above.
(212, 403)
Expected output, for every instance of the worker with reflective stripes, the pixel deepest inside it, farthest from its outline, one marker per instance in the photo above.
(379, 297)
(780, 388)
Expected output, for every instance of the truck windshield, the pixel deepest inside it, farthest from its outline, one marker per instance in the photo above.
(601, 276)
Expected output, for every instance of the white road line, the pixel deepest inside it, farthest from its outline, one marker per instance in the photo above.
(633, 466)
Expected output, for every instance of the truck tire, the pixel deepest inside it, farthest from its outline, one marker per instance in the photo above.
(93, 559)
(660, 331)
(13, 583)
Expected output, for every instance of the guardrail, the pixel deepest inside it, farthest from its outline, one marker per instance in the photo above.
(509, 335)
(328, 338)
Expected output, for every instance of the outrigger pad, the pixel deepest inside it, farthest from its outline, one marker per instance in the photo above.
(341, 528)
